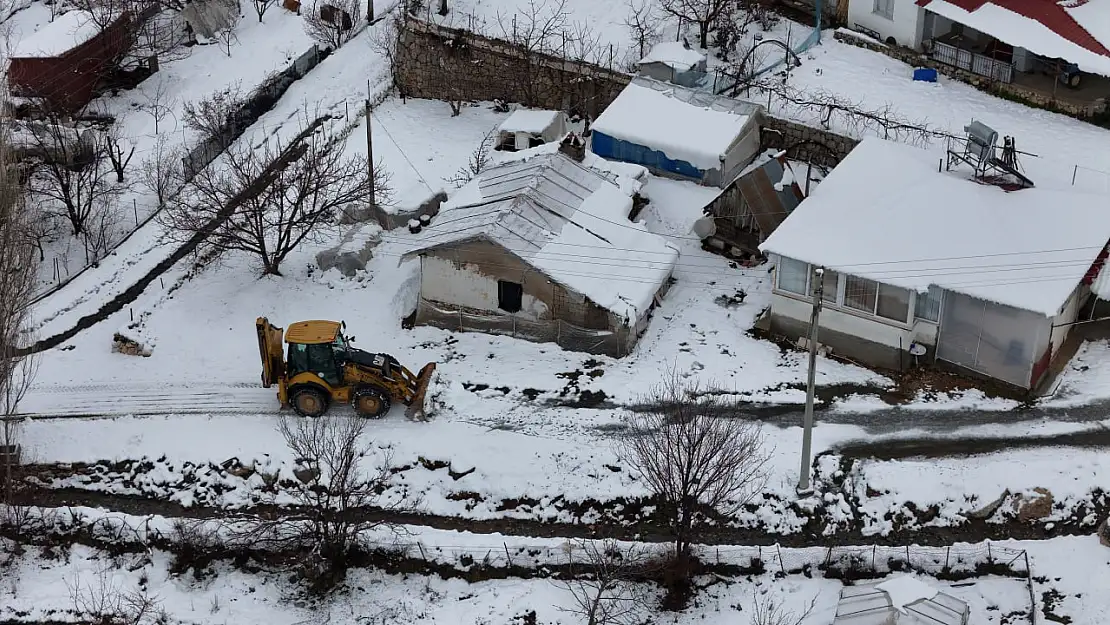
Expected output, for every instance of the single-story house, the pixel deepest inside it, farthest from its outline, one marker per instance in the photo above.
(673, 61)
(1030, 42)
(899, 601)
(678, 132)
(542, 249)
(923, 265)
(749, 209)
(525, 129)
(64, 61)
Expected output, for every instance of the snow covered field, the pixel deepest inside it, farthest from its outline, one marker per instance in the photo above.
(45, 587)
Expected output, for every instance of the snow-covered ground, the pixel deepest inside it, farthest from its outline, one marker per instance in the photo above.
(43, 587)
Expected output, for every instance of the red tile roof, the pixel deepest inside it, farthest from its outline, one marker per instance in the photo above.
(1048, 12)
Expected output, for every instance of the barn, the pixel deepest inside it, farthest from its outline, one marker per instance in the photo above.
(505, 255)
(62, 64)
(678, 132)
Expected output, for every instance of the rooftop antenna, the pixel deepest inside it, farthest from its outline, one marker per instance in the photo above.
(988, 164)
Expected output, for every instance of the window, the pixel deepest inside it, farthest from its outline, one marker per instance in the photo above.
(860, 293)
(894, 303)
(884, 8)
(793, 275)
(927, 306)
(509, 295)
(829, 286)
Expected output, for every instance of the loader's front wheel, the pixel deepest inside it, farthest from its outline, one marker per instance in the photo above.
(309, 402)
(371, 403)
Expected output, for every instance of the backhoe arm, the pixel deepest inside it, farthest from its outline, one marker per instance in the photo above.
(269, 348)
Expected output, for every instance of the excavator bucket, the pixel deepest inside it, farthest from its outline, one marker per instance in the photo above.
(269, 348)
(417, 408)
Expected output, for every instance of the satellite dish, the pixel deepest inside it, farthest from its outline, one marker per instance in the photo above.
(705, 227)
(917, 349)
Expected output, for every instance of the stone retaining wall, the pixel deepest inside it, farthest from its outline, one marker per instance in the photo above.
(1009, 91)
(444, 63)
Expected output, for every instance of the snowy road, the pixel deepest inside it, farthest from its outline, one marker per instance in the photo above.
(249, 398)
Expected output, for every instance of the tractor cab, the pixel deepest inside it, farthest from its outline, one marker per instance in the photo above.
(316, 347)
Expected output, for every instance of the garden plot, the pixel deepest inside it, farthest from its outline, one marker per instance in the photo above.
(1047, 486)
(149, 118)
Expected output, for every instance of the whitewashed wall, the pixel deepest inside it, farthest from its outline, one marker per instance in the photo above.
(866, 327)
(442, 282)
(906, 27)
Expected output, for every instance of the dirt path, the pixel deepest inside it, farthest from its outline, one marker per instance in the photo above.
(972, 531)
(930, 447)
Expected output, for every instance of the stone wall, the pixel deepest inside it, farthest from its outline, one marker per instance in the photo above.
(1011, 91)
(816, 145)
(445, 63)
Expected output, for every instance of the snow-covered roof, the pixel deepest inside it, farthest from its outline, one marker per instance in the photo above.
(1080, 34)
(568, 222)
(887, 214)
(66, 32)
(673, 54)
(684, 124)
(532, 121)
(899, 601)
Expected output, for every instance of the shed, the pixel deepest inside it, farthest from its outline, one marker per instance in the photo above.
(753, 205)
(900, 601)
(542, 249)
(63, 63)
(673, 61)
(525, 129)
(678, 132)
(926, 265)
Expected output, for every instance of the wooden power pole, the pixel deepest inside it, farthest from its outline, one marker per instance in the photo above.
(804, 487)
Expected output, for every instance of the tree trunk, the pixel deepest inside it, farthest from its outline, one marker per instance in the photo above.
(703, 34)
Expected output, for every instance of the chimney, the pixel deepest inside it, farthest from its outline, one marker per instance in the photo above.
(574, 147)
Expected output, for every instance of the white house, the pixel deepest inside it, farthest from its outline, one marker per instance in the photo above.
(902, 600)
(1001, 39)
(526, 128)
(922, 265)
(679, 132)
(673, 61)
(543, 249)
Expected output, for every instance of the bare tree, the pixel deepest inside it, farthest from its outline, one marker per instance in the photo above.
(211, 115)
(17, 290)
(261, 6)
(227, 37)
(693, 456)
(159, 104)
(643, 24)
(108, 603)
(72, 171)
(541, 28)
(704, 13)
(161, 172)
(267, 200)
(120, 149)
(767, 611)
(102, 231)
(603, 578)
(332, 483)
(332, 23)
(478, 161)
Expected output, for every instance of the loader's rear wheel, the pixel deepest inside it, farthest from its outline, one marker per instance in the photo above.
(372, 403)
(309, 402)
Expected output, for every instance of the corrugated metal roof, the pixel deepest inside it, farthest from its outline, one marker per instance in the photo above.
(867, 605)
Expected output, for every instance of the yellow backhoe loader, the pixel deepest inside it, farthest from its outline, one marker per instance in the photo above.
(320, 367)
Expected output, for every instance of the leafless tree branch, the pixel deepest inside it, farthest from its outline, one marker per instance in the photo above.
(693, 457)
(603, 581)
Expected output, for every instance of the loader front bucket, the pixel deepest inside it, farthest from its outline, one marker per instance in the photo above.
(417, 408)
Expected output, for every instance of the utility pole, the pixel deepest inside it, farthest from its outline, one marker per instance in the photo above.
(370, 152)
(804, 487)
(369, 11)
